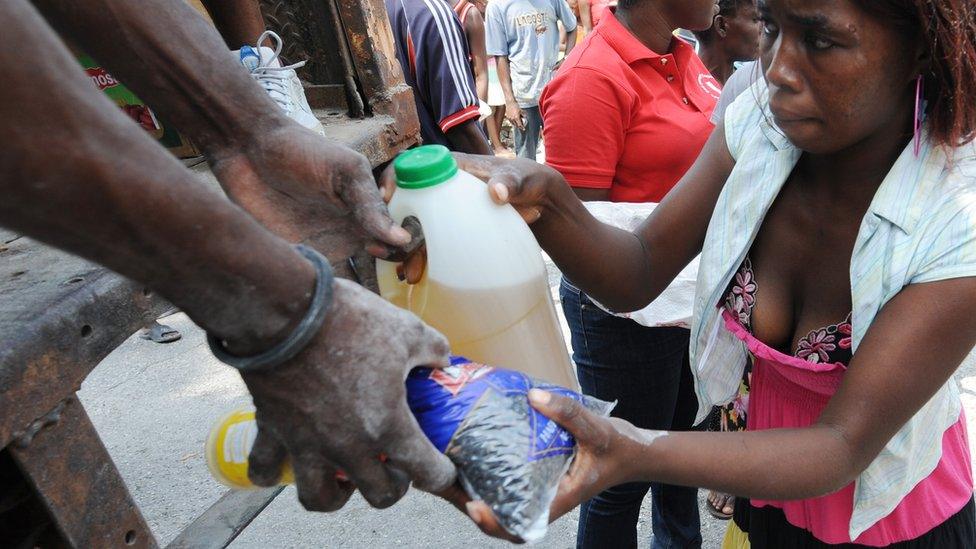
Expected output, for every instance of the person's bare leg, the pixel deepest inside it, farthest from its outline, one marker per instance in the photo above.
(494, 124)
(239, 21)
(494, 132)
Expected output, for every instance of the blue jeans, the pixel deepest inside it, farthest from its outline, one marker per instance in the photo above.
(646, 371)
(527, 140)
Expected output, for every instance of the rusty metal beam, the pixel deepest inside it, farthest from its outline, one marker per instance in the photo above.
(367, 31)
(73, 475)
(59, 317)
(225, 520)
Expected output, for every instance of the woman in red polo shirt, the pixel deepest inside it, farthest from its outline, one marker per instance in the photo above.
(624, 119)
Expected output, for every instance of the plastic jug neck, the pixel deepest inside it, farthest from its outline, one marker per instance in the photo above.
(424, 166)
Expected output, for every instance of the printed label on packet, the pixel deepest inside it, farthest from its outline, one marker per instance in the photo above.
(458, 374)
(549, 439)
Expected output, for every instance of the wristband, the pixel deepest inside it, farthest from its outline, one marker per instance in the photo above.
(303, 333)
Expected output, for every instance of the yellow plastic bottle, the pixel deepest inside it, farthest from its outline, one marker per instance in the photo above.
(228, 447)
(485, 285)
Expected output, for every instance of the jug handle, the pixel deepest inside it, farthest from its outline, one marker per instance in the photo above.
(412, 225)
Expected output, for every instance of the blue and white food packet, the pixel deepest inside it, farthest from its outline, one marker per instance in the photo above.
(508, 454)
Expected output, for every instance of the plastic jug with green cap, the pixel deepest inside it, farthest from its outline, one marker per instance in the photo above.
(485, 285)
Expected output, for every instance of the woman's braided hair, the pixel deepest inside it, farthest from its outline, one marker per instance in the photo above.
(947, 29)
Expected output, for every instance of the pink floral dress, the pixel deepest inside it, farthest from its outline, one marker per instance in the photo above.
(791, 391)
(829, 344)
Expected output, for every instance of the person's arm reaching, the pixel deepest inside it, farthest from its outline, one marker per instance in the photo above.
(645, 261)
(112, 195)
(297, 184)
(896, 370)
(474, 27)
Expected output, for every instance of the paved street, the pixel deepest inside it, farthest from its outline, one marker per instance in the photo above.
(153, 406)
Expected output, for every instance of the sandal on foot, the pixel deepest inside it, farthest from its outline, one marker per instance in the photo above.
(723, 501)
(160, 333)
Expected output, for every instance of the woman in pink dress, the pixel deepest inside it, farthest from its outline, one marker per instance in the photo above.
(834, 211)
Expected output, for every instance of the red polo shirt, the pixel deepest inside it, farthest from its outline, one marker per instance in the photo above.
(619, 116)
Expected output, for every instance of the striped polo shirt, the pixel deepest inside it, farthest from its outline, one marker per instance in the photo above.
(433, 53)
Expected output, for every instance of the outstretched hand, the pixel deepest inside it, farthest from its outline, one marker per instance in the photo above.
(604, 456)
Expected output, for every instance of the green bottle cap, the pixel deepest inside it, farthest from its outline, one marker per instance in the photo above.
(424, 166)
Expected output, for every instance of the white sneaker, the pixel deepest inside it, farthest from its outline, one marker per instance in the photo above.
(281, 83)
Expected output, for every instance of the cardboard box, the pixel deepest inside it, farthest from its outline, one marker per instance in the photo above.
(137, 109)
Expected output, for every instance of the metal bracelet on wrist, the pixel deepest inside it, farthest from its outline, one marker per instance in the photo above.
(303, 333)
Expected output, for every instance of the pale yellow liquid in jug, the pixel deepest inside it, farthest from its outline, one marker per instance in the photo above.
(479, 325)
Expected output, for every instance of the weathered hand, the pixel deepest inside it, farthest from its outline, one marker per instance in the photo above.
(341, 405)
(604, 455)
(305, 189)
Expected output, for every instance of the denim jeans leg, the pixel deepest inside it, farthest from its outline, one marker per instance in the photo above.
(675, 518)
(519, 140)
(527, 141)
(640, 368)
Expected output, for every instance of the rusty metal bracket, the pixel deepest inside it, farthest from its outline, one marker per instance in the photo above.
(22, 439)
(61, 316)
(73, 475)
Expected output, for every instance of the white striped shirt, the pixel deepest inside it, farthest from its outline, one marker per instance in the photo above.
(920, 227)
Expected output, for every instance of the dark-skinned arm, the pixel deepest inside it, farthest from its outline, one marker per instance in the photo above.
(644, 261)
(570, 44)
(567, 17)
(114, 196)
(474, 27)
(174, 61)
(592, 195)
(497, 45)
(896, 370)
(468, 137)
(299, 185)
(512, 110)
